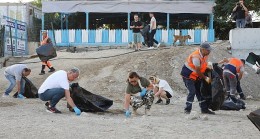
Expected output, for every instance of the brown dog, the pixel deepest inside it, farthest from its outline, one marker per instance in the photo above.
(182, 39)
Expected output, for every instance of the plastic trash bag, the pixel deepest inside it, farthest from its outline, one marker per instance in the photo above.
(87, 101)
(30, 91)
(46, 52)
(213, 93)
(232, 103)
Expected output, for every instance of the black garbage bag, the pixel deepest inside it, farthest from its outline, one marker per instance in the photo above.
(30, 91)
(232, 103)
(253, 58)
(254, 117)
(88, 102)
(213, 93)
(46, 52)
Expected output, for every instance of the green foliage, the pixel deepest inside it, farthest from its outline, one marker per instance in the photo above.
(222, 12)
(37, 3)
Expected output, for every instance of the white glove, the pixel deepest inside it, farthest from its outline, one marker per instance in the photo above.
(208, 80)
(210, 65)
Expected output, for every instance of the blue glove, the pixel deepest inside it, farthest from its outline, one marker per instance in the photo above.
(77, 110)
(127, 113)
(143, 92)
(20, 96)
(150, 31)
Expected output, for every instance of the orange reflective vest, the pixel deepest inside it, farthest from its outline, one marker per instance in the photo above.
(234, 65)
(188, 70)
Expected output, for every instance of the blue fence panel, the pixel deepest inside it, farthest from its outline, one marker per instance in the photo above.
(105, 36)
(130, 36)
(158, 35)
(78, 36)
(65, 36)
(185, 32)
(170, 36)
(118, 36)
(197, 36)
(50, 35)
(91, 36)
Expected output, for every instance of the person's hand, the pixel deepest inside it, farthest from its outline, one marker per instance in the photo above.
(150, 31)
(20, 96)
(208, 80)
(77, 110)
(143, 92)
(127, 113)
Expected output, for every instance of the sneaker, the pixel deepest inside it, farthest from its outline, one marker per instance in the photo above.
(42, 73)
(207, 111)
(47, 105)
(53, 110)
(5, 95)
(158, 45)
(243, 97)
(158, 101)
(51, 70)
(151, 48)
(20, 96)
(187, 111)
(167, 101)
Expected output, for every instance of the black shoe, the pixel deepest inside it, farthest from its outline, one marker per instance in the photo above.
(53, 110)
(42, 73)
(51, 69)
(207, 111)
(47, 105)
(243, 97)
(187, 111)
(158, 101)
(167, 101)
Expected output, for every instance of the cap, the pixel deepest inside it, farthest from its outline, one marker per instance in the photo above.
(206, 46)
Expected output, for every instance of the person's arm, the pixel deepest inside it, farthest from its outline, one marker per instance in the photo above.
(132, 25)
(197, 69)
(235, 8)
(244, 7)
(44, 41)
(152, 24)
(159, 92)
(127, 101)
(240, 75)
(69, 99)
(225, 60)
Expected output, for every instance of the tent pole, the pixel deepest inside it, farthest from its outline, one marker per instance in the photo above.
(168, 21)
(67, 21)
(61, 20)
(128, 25)
(211, 19)
(87, 20)
(42, 21)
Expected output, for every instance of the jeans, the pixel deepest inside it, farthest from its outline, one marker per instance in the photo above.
(230, 82)
(194, 89)
(151, 38)
(12, 81)
(240, 23)
(53, 95)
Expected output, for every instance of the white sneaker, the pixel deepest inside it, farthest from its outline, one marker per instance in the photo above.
(151, 48)
(6, 96)
(158, 45)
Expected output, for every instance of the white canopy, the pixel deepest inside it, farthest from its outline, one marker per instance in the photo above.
(203, 7)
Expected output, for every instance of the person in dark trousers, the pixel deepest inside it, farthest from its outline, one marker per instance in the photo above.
(152, 32)
(14, 75)
(193, 73)
(240, 11)
(137, 25)
(46, 40)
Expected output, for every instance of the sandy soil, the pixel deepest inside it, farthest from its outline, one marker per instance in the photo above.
(28, 118)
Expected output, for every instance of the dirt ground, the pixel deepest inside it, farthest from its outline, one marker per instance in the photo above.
(106, 76)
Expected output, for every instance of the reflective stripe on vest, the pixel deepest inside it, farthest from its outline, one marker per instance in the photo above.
(234, 65)
(189, 71)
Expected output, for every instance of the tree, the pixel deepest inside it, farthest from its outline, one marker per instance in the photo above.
(222, 12)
